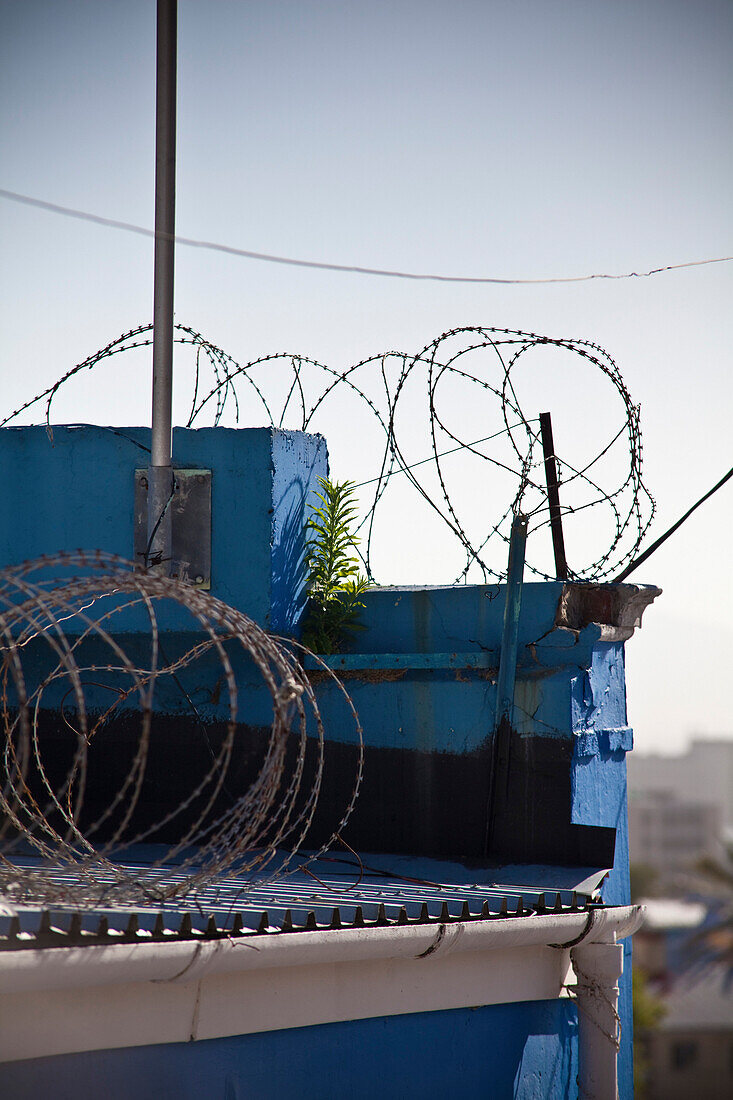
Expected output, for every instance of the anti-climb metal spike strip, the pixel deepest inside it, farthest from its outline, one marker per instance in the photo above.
(56, 929)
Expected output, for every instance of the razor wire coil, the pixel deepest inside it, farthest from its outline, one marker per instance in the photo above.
(312, 388)
(61, 652)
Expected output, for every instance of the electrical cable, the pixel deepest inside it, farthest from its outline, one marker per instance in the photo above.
(353, 269)
(663, 538)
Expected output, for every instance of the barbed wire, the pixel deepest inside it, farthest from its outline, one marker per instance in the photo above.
(396, 391)
(75, 672)
(96, 655)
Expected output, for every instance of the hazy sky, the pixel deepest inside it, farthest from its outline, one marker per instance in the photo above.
(517, 139)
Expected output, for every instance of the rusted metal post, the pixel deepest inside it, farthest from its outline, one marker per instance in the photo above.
(553, 497)
(160, 476)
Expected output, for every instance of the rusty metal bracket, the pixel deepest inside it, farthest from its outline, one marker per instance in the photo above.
(190, 511)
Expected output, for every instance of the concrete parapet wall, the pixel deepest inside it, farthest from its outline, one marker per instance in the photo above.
(74, 489)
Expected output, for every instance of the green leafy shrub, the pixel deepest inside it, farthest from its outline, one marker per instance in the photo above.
(335, 584)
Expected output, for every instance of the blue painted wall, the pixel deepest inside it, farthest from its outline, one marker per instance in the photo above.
(523, 1051)
(602, 739)
(76, 491)
(570, 685)
(445, 700)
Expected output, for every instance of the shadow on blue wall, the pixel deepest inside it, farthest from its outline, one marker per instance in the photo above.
(518, 1051)
(289, 572)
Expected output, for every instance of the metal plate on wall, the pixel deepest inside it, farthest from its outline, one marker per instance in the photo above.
(190, 524)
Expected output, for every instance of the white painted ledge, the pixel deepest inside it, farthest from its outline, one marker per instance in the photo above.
(64, 1000)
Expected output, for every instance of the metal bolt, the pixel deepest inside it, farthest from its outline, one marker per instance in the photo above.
(199, 579)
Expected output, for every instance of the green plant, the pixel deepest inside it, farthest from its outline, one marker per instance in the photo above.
(335, 584)
(644, 881)
(649, 1011)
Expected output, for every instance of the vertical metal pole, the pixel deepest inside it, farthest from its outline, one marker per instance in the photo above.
(510, 633)
(553, 498)
(507, 671)
(160, 476)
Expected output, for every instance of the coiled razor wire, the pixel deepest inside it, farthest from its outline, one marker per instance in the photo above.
(63, 652)
(286, 390)
(69, 606)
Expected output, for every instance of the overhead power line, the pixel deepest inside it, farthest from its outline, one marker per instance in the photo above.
(353, 269)
(663, 538)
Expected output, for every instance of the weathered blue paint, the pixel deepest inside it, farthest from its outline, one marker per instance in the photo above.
(470, 618)
(599, 795)
(599, 697)
(524, 1051)
(357, 662)
(442, 712)
(601, 738)
(458, 687)
(76, 491)
(570, 685)
(425, 677)
(446, 619)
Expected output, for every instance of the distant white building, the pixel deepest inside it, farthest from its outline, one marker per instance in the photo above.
(667, 832)
(691, 1052)
(703, 775)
